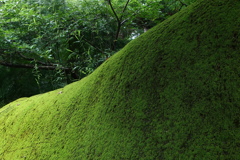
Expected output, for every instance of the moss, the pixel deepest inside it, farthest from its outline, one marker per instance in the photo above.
(173, 93)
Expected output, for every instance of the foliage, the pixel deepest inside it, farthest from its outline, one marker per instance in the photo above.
(67, 40)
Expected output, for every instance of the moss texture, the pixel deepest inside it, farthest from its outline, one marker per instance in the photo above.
(173, 93)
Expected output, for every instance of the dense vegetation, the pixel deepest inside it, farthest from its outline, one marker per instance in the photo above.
(172, 93)
(46, 44)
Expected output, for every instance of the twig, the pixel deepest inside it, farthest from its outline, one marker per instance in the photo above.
(92, 45)
(119, 20)
(183, 4)
(49, 67)
(32, 59)
(125, 7)
(115, 14)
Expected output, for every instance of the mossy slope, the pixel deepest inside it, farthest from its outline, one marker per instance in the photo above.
(173, 93)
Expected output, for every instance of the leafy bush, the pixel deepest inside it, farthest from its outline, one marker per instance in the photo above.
(60, 41)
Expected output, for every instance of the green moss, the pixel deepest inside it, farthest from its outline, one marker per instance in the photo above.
(173, 93)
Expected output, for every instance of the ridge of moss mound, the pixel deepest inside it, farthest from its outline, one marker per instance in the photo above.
(173, 93)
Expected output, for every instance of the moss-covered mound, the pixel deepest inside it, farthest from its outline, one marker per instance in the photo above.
(173, 93)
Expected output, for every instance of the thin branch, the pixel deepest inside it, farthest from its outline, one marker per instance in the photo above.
(7, 64)
(125, 20)
(125, 7)
(115, 14)
(183, 4)
(118, 25)
(32, 59)
(25, 57)
(119, 20)
(92, 45)
(43, 65)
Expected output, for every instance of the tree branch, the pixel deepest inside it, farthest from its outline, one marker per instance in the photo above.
(115, 14)
(119, 21)
(125, 7)
(183, 4)
(25, 57)
(49, 67)
(32, 59)
(43, 65)
(92, 45)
